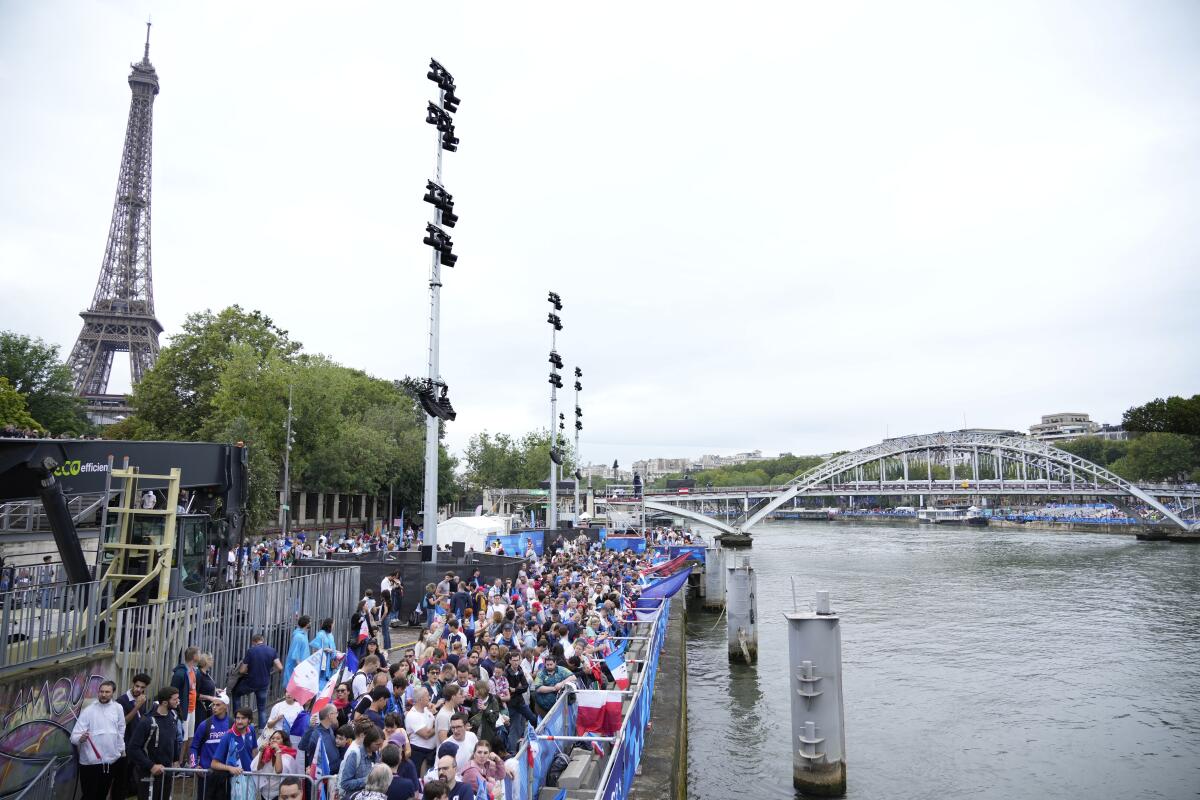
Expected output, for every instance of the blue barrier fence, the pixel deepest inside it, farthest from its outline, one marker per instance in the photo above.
(628, 750)
(695, 552)
(635, 543)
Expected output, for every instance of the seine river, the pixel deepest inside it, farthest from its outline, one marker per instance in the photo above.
(977, 663)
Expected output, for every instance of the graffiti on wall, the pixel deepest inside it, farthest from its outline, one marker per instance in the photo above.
(36, 719)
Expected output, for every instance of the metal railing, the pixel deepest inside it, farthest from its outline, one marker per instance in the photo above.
(49, 623)
(152, 638)
(30, 515)
(42, 785)
(187, 782)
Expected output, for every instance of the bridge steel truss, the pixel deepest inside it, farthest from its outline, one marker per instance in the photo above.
(1038, 468)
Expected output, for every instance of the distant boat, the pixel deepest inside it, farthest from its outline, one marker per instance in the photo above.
(952, 516)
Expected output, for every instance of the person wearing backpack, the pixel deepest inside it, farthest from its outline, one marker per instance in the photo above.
(154, 746)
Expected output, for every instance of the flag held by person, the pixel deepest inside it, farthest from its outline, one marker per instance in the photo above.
(616, 665)
(305, 682)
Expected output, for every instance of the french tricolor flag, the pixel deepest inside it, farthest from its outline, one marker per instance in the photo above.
(364, 632)
(598, 712)
(616, 665)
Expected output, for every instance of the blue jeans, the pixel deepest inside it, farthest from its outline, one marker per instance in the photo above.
(387, 630)
(260, 700)
(518, 715)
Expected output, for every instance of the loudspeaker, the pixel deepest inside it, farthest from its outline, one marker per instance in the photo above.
(427, 552)
(458, 549)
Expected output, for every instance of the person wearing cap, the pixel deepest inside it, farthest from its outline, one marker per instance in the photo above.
(208, 736)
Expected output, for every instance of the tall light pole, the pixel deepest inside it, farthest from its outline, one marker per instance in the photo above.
(437, 406)
(287, 468)
(555, 384)
(578, 428)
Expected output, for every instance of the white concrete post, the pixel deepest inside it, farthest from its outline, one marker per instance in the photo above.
(815, 680)
(741, 613)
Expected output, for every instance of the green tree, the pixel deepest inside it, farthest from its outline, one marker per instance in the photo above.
(13, 410)
(1158, 457)
(1172, 415)
(34, 370)
(177, 397)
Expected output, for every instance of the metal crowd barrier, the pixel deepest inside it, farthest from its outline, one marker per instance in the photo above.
(47, 623)
(152, 638)
(42, 786)
(183, 783)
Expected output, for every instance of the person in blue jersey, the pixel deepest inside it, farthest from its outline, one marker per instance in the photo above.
(233, 755)
(209, 734)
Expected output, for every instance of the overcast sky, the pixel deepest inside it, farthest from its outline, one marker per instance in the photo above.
(778, 226)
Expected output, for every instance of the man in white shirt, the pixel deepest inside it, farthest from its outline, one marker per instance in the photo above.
(283, 714)
(463, 738)
(421, 728)
(100, 736)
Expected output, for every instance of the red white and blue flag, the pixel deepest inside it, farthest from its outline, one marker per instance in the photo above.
(616, 665)
(305, 682)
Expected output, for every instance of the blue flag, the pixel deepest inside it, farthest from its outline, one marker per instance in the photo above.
(667, 586)
(300, 725)
(351, 662)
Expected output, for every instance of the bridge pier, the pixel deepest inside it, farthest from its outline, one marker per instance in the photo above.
(714, 577)
(741, 613)
(734, 540)
(818, 726)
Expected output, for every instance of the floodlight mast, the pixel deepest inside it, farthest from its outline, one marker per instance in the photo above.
(430, 512)
(578, 428)
(552, 511)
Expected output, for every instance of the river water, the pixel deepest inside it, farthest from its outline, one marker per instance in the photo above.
(977, 663)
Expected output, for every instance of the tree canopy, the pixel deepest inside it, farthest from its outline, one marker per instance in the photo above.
(498, 461)
(35, 372)
(13, 409)
(1172, 415)
(225, 378)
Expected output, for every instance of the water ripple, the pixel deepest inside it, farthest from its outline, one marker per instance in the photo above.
(988, 664)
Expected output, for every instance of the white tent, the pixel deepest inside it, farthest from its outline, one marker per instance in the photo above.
(473, 531)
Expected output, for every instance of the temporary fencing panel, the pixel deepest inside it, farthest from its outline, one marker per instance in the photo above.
(152, 638)
(49, 623)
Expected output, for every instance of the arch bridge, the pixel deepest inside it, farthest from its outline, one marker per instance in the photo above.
(979, 462)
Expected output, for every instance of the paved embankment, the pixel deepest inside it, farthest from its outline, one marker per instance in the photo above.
(663, 773)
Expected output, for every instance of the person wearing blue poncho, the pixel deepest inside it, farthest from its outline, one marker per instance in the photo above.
(299, 649)
(323, 642)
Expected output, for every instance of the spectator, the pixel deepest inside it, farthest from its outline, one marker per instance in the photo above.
(359, 758)
(299, 649)
(421, 729)
(321, 733)
(233, 755)
(260, 660)
(99, 734)
(277, 757)
(401, 787)
(209, 734)
(154, 746)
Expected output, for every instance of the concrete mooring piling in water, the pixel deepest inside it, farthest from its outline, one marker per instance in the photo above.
(815, 677)
(714, 577)
(741, 612)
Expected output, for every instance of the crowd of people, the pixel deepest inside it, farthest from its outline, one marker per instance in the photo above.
(440, 719)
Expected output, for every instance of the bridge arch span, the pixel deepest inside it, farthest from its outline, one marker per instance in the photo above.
(1057, 469)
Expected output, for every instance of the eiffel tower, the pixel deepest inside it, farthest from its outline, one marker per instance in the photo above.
(121, 317)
